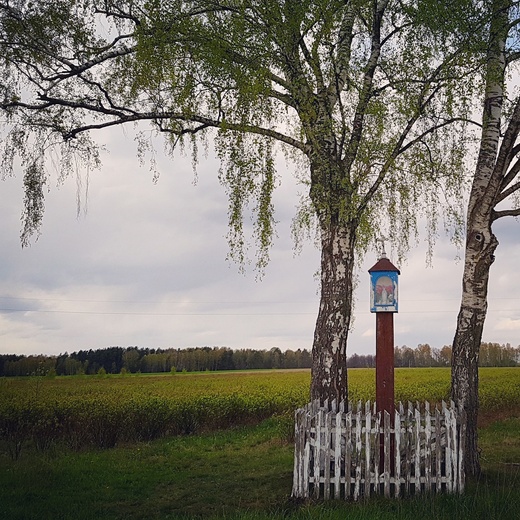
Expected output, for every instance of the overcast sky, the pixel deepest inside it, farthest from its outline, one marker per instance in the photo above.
(146, 266)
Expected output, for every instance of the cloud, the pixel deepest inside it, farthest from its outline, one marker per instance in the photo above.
(508, 324)
(146, 266)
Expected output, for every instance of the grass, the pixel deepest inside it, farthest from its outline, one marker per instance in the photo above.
(246, 468)
(241, 473)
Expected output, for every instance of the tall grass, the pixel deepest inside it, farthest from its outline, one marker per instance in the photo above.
(100, 412)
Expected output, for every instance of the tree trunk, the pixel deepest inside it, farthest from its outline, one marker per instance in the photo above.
(480, 249)
(480, 241)
(329, 351)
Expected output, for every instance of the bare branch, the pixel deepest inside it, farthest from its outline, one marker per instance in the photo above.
(507, 147)
(505, 213)
(78, 69)
(510, 176)
(506, 193)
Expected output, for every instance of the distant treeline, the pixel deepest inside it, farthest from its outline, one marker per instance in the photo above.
(491, 355)
(115, 360)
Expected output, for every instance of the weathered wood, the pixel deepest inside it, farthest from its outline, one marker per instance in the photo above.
(359, 445)
(397, 433)
(438, 453)
(387, 452)
(317, 454)
(307, 454)
(417, 450)
(368, 454)
(427, 449)
(338, 429)
(349, 447)
(356, 453)
(448, 449)
(377, 452)
(327, 454)
(408, 447)
(299, 439)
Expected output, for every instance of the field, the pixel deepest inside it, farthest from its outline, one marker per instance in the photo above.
(117, 446)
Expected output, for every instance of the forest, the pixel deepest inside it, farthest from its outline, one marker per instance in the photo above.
(119, 360)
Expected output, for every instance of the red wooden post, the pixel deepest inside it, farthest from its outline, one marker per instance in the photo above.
(383, 301)
(385, 363)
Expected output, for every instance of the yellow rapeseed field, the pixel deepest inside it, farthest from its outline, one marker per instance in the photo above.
(101, 411)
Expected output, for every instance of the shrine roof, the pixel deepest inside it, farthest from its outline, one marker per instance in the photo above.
(383, 264)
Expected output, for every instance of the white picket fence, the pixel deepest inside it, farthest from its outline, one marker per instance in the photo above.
(342, 452)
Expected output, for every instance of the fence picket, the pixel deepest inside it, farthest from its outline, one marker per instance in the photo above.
(337, 454)
(298, 455)
(397, 436)
(408, 445)
(377, 452)
(368, 453)
(448, 448)
(306, 427)
(427, 448)
(357, 453)
(387, 452)
(327, 454)
(348, 454)
(416, 449)
(438, 452)
(317, 453)
(454, 447)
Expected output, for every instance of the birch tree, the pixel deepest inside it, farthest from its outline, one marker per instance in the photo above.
(494, 195)
(360, 93)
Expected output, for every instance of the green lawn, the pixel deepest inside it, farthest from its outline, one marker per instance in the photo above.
(241, 472)
(238, 473)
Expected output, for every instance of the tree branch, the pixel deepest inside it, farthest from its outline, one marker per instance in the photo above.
(507, 149)
(133, 116)
(75, 70)
(509, 177)
(366, 90)
(343, 53)
(505, 213)
(399, 148)
(506, 193)
(240, 59)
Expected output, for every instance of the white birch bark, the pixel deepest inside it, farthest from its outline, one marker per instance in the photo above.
(329, 364)
(480, 240)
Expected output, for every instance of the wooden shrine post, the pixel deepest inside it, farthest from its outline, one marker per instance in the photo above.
(384, 303)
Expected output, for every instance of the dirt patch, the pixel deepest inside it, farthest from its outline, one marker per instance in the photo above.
(485, 418)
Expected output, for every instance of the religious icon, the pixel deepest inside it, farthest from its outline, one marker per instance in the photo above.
(384, 291)
(384, 282)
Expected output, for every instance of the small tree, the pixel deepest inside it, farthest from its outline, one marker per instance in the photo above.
(360, 93)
